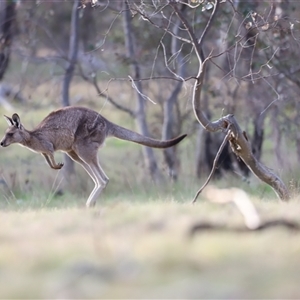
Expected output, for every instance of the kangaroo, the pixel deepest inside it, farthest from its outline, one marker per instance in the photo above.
(79, 132)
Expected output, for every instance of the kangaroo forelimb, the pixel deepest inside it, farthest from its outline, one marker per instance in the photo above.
(51, 162)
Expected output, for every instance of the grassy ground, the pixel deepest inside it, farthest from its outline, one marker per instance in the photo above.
(125, 249)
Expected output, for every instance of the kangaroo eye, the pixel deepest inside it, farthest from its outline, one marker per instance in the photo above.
(9, 134)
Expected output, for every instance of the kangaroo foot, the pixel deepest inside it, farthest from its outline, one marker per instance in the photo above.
(58, 166)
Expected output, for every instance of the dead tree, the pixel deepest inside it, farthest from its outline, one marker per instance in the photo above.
(236, 137)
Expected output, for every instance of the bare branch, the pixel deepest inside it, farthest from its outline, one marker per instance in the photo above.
(214, 166)
(107, 32)
(41, 25)
(93, 80)
(138, 90)
(166, 29)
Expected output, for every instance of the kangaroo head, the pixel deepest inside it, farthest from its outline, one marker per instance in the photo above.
(15, 133)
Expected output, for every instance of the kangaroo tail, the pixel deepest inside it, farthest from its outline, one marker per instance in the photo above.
(128, 135)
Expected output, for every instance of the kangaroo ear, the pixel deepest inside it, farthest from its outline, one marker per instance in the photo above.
(16, 121)
(9, 120)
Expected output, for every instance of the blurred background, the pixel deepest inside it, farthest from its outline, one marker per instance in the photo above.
(134, 63)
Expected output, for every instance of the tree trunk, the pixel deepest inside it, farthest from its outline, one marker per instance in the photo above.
(276, 135)
(171, 158)
(167, 132)
(297, 135)
(9, 17)
(258, 136)
(140, 115)
(72, 60)
(72, 56)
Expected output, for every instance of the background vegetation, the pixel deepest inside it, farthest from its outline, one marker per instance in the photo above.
(136, 243)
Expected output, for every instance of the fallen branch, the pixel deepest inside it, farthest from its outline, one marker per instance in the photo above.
(246, 207)
(206, 226)
(241, 200)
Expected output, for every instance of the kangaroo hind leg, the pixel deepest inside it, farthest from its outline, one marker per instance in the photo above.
(102, 179)
(89, 160)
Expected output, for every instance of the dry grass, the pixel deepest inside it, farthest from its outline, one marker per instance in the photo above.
(142, 250)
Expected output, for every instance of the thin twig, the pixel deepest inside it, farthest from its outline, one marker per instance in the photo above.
(139, 92)
(214, 166)
(93, 80)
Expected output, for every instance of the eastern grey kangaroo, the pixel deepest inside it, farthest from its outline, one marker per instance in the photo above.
(79, 132)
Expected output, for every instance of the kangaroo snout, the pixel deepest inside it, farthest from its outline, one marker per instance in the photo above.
(4, 142)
